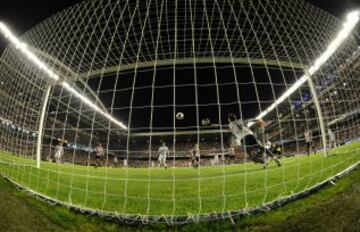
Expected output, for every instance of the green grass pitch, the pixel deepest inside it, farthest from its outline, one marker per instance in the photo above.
(176, 191)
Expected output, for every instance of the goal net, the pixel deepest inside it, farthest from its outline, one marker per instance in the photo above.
(180, 111)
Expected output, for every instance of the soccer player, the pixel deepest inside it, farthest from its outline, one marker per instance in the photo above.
(274, 148)
(59, 153)
(257, 152)
(163, 153)
(115, 161)
(195, 156)
(308, 141)
(332, 139)
(99, 152)
(215, 160)
(277, 150)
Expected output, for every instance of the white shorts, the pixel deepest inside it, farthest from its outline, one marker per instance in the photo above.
(162, 159)
(57, 155)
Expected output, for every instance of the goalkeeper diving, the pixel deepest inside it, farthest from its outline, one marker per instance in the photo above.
(254, 149)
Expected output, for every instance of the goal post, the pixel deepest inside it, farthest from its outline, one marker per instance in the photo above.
(41, 125)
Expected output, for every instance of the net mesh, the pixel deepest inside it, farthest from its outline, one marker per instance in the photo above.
(172, 72)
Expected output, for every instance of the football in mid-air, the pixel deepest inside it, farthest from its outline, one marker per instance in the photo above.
(206, 122)
(180, 116)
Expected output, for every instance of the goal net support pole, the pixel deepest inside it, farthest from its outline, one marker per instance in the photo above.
(319, 112)
(41, 126)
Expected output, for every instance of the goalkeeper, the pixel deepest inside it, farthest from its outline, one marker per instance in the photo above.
(257, 152)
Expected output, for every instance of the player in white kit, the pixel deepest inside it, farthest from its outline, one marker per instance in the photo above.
(59, 153)
(257, 152)
(195, 156)
(308, 142)
(163, 153)
(332, 139)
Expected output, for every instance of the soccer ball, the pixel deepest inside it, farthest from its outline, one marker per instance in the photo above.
(206, 122)
(180, 116)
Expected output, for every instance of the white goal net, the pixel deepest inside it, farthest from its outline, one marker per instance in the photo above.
(180, 111)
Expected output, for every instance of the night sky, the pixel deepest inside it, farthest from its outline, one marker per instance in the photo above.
(21, 15)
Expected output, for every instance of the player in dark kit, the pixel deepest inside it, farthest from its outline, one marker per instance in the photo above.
(276, 149)
(99, 152)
